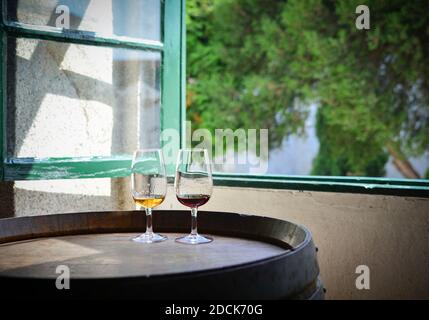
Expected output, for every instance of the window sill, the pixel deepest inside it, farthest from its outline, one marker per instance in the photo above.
(364, 185)
(110, 167)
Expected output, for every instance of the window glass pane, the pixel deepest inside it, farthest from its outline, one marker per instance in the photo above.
(132, 18)
(337, 97)
(77, 100)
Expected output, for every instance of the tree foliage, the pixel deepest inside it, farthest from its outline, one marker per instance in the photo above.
(261, 63)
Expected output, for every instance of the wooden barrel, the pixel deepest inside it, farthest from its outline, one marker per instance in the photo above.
(251, 257)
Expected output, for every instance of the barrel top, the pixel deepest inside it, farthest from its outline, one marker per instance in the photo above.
(114, 255)
(250, 257)
(98, 244)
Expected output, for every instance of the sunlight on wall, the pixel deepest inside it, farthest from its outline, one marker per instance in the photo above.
(69, 127)
(89, 187)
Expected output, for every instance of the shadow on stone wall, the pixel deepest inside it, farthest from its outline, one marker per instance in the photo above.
(30, 203)
(7, 203)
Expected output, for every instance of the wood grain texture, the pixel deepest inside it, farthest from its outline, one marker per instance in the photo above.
(115, 255)
(252, 257)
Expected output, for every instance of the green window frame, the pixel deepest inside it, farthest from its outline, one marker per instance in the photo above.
(173, 115)
(172, 96)
(363, 185)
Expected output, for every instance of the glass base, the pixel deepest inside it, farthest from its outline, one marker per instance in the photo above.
(194, 239)
(149, 238)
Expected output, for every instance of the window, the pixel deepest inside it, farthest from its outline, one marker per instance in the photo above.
(346, 109)
(85, 83)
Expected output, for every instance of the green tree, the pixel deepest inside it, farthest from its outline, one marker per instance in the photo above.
(254, 63)
(334, 159)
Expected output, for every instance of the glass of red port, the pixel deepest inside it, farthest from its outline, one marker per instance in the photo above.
(193, 184)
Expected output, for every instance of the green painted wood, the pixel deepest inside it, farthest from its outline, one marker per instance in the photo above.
(67, 168)
(173, 117)
(328, 179)
(22, 30)
(316, 184)
(98, 167)
(2, 98)
(183, 78)
(172, 80)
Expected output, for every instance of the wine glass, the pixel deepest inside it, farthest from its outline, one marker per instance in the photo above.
(148, 187)
(193, 185)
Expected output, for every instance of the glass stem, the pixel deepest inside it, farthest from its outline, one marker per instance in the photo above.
(149, 220)
(194, 230)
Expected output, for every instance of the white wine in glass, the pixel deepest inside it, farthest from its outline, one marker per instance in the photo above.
(148, 187)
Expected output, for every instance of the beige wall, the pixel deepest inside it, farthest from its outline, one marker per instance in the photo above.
(388, 234)
(27, 198)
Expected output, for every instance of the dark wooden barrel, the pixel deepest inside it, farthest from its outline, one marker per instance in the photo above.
(251, 257)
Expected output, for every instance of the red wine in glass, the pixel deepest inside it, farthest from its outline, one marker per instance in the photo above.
(193, 184)
(193, 201)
